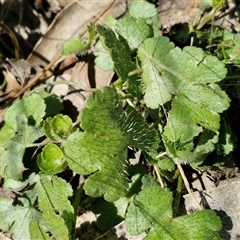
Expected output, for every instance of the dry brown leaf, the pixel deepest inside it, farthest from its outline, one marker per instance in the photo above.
(73, 21)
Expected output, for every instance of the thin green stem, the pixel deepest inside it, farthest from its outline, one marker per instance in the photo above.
(70, 83)
(158, 175)
(177, 197)
(186, 183)
(76, 203)
(136, 71)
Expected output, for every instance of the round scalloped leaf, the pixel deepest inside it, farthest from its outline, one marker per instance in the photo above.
(32, 106)
(74, 45)
(143, 10)
(54, 103)
(51, 160)
(151, 210)
(101, 149)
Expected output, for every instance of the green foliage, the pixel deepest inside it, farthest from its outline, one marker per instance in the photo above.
(102, 148)
(57, 212)
(168, 103)
(15, 218)
(157, 218)
(159, 89)
(11, 156)
(219, 4)
(76, 45)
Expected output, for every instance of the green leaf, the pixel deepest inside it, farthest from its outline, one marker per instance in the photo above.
(148, 181)
(112, 213)
(198, 99)
(58, 214)
(151, 210)
(54, 104)
(51, 159)
(56, 225)
(74, 45)
(32, 106)
(207, 141)
(226, 143)
(30, 192)
(102, 149)
(120, 53)
(16, 219)
(142, 9)
(11, 156)
(6, 133)
(37, 232)
(147, 11)
(166, 164)
(103, 59)
(159, 89)
(135, 31)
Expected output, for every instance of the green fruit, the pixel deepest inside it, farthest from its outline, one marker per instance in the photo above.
(61, 125)
(58, 128)
(51, 160)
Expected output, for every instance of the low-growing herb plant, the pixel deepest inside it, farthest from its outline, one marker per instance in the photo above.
(167, 103)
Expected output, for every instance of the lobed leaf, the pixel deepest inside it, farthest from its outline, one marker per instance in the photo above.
(74, 45)
(198, 100)
(135, 31)
(102, 149)
(151, 210)
(142, 9)
(32, 106)
(37, 232)
(159, 89)
(103, 59)
(11, 156)
(16, 218)
(58, 213)
(112, 213)
(120, 53)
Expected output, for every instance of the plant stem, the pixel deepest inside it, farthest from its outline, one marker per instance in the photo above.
(137, 71)
(177, 195)
(206, 19)
(73, 84)
(75, 205)
(158, 175)
(187, 184)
